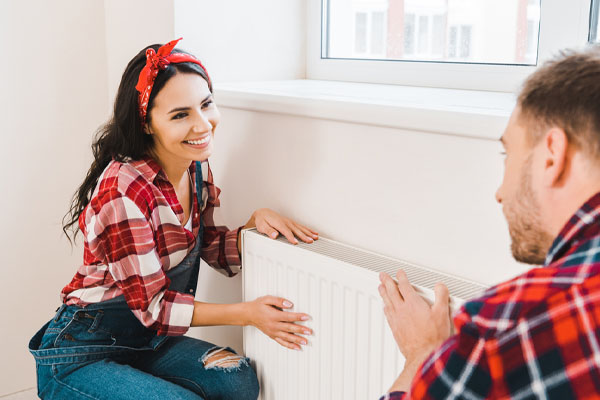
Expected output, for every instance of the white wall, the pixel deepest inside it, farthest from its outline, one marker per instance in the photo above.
(417, 196)
(131, 26)
(59, 58)
(426, 198)
(240, 41)
(245, 40)
(423, 197)
(53, 97)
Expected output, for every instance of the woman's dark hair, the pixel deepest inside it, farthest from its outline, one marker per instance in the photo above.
(123, 138)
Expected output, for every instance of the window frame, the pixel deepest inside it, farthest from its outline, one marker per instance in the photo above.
(573, 19)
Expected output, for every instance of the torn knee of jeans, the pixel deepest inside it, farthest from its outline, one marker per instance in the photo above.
(221, 358)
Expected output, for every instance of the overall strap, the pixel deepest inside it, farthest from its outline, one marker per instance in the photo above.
(199, 184)
(193, 282)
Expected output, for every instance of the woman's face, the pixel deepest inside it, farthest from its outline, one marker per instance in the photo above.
(183, 121)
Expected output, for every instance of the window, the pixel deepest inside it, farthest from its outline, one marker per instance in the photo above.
(468, 44)
(475, 31)
(594, 36)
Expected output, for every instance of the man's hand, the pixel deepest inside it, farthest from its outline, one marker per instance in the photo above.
(418, 328)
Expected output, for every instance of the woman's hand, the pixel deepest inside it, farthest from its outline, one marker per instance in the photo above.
(272, 224)
(266, 313)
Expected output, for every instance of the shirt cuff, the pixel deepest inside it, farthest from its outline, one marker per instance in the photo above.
(179, 316)
(232, 255)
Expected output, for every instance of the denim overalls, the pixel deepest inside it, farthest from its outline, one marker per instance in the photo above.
(83, 349)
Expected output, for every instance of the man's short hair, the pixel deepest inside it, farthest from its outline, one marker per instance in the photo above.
(565, 92)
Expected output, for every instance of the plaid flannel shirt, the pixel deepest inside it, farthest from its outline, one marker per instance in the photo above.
(133, 233)
(535, 336)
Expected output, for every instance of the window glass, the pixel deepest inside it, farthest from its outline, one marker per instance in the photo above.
(466, 31)
(594, 25)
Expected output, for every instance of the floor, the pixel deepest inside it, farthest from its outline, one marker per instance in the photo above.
(29, 394)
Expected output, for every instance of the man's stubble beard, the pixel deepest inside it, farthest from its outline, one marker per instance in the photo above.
(529, 242)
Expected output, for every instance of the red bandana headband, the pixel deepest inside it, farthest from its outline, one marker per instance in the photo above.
(155, 62)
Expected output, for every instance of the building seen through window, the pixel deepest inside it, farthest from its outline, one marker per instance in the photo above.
(473, 31)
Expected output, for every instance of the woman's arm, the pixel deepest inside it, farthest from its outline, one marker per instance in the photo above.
(265, 313)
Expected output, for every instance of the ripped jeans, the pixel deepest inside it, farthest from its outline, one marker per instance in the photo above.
(80, 356)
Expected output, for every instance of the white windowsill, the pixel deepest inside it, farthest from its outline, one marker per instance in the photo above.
(469, 113)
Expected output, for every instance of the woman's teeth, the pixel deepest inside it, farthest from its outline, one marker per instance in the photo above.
(201, 141)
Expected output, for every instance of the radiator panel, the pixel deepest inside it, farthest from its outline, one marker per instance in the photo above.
(352, 354)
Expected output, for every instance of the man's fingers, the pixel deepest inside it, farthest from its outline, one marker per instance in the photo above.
(442, 299)
(406, 289)
(391, 289)
(384, 296)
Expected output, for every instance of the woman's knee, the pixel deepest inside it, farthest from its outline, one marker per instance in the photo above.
(239, 377)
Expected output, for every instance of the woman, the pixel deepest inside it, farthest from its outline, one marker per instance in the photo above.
(145, 210)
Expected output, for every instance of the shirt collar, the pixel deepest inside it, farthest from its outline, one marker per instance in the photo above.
(148, 168)
(583, 224)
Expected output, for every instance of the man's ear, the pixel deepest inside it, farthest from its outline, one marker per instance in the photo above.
(555, 145)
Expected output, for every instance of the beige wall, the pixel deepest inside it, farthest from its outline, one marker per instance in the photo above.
(61, 63)
(423, 197)
(417, 196)
(53, 97)
(245, 40)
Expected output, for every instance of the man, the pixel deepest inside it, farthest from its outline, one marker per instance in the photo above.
(538, 335)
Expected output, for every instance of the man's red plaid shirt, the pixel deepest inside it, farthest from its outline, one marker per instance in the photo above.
(534, 337)
(133, 233)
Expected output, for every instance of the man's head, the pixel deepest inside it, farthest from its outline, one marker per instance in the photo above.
(552, 144)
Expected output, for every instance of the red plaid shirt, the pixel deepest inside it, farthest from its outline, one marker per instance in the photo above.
(133, 233)
(535, 336)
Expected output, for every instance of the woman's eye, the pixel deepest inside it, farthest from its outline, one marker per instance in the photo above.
(207, 104)
(179, 115)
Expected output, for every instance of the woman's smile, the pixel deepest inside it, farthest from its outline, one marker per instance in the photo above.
(199, 143)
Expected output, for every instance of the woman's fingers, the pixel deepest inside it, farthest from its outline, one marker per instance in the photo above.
(291, 338)
(287, 344)
(287, 316)
(294, 328)
(267, 230)
(277, 301)
(272, 224)
(283, 229)
(301, 234)
(307, 231)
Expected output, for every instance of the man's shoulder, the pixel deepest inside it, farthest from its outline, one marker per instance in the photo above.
(529, 296)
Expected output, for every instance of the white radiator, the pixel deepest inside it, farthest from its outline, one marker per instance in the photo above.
(352, 354)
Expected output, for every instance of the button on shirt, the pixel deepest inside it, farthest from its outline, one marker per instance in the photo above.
(133, 234)
(535, 336)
